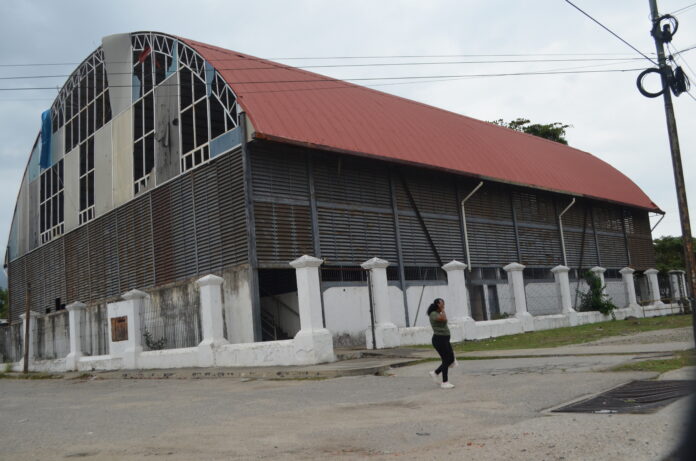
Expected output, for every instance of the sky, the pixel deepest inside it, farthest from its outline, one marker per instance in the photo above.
(608, 116)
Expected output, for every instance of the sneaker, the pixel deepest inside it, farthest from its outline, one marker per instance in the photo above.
(446, 385)
(433, 375)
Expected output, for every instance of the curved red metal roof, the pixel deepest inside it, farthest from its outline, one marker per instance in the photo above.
(299, 107)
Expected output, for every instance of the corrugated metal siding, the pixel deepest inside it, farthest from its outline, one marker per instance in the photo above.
(540, 241)
(573, 221)
(354, 236)
(283, 232)
(639, 239)
(17, 284)
(53, 274)
(172, 220)
(489, 226)
(207, 205)
(77, 272)
(135, 251)
(235, 246)
(278, 173)
(103, 257)
(349, 181)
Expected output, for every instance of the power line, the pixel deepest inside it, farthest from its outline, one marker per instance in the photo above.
(611, 32)
(387, 64)
(684, 9)
(469, 55)
(330, 79)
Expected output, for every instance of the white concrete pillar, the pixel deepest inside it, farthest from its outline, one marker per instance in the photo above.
(560, 275)
(519, 299)
(32, 334)
(460, 323)
(212, 323)
(599, 273)
(386, 332)
(678, 285)
(76, 312)
(654, 285)
(630, 288)
(128, 310)
(313, 343)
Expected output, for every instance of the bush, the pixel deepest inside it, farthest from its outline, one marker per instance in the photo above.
(595, 299)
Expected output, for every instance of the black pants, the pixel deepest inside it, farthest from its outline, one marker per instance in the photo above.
(444, 348)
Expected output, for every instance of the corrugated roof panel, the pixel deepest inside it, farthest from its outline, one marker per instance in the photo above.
(304, 108)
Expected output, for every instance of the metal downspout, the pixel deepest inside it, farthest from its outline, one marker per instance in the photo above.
(560, 228)
(466, 233)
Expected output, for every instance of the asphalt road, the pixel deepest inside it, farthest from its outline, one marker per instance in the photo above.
(497, 411)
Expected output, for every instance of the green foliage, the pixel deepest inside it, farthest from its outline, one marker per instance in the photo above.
(669, 253)
(4, 304)
(595, 299)
(151, 343)
(555, 131)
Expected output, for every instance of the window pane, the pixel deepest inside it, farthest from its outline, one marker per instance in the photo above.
(90, 189)
(138, 160)
(149, 152)
(149, 114)
(217, 118)
(83, 158)
(138, 120)
(90, 154)
(185, 87)
(187, 131)
(201, 122)
(83, 193)
(198, 87)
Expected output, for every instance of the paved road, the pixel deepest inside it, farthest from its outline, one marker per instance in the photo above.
(496, 412)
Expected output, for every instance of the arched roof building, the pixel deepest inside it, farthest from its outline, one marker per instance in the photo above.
(163, 159)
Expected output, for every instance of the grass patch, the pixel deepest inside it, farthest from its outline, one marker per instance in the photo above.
(680, 359)
(575, 335)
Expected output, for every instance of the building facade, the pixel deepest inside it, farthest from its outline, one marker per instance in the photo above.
(163, 159)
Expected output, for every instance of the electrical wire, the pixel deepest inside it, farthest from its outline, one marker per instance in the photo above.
(388, 64)
(329, 79)
(673, 57)
(684, 9)
(611, 32)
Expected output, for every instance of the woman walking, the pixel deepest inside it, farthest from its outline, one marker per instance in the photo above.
(441, 341)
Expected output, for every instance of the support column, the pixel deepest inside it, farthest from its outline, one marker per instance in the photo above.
(212, 323)
(76, 312)
(313, 343)
(654, 287)
(519, 299)
(630, 288)
(125, 335)
(599, 272)
(386, 332)
(676, 281)
(560, 275)
(460, 323)
(32, 334)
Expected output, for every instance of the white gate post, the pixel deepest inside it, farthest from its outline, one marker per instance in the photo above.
(386, 332)
(630, 288)
(76, 312)
(212, 325)
(560, 274)
(599, 272)
(460, 323)
(654, 287)
(128, 349)
(516, 283)
(313, 343)
(676, 280)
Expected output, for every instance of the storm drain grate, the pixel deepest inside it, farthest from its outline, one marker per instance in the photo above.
(634, 397)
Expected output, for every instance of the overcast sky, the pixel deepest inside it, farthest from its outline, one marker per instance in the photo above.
(609, 118)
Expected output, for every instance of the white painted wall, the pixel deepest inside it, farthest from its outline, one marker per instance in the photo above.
(347, 311)
(236, 299)
(543, 298)
(430, 293)
(617, 292)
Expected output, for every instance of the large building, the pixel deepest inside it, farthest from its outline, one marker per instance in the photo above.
(163, 159)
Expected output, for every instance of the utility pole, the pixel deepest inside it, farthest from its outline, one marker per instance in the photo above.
(662, 36)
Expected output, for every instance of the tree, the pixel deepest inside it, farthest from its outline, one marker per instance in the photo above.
(669, 253)
(555, 131)
(4, 304)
